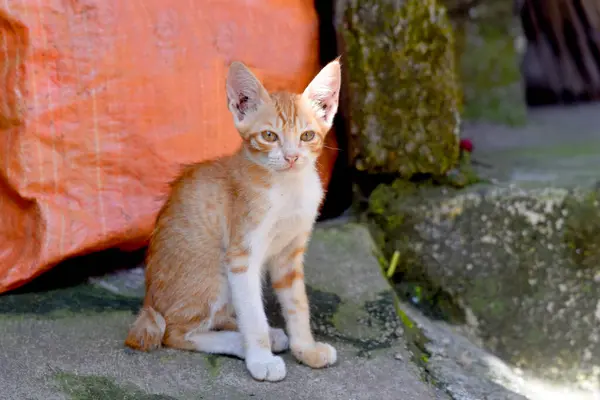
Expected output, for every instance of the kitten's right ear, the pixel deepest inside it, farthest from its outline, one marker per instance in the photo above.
(245, 93)
(323, 92)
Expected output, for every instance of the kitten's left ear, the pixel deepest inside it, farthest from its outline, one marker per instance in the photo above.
(323, 92)
(245, 93)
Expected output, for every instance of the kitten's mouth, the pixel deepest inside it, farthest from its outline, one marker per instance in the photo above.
(289, 167)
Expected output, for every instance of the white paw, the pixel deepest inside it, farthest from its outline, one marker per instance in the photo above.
(279, 340)
(266, 368)
(316, 355)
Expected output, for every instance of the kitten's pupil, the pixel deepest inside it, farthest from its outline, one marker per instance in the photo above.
(307, 136)
(269, 136)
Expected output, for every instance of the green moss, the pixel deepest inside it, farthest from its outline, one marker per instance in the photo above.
(368, 327)
(64, 302)
(486, 297)
(582, 229)
(393, 214)
(488, 62)
(332, 319)
(416, 341)
(382, 309)
(81, 387)
(407, 322)
(404, 99)
(213, 362)
(394, 228)
(429, 298)
(344, 320)
(323, 307)
(462, 176)
(380, 318)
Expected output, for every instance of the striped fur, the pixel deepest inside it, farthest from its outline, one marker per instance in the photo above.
(229, 220)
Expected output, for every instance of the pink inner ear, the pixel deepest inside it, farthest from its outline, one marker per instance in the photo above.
(244, 91)
(242, 105)
(323, 91)
(324, 100)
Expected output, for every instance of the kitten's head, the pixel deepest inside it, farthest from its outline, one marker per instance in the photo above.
(283, 131)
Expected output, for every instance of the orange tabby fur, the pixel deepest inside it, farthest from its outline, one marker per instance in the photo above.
(226, 218)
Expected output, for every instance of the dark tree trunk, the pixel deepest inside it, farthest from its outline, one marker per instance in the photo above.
(562, 60)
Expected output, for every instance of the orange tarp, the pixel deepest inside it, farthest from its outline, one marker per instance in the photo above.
(101, 101)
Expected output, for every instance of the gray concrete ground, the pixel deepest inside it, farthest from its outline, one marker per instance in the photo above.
(68, 343)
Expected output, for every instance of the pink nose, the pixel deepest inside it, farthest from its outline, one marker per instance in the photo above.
(291, 159)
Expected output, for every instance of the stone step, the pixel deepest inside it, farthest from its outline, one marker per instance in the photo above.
(516, 262)
(68, 343)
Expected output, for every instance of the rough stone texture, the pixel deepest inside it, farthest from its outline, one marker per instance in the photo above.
(401, 85)
(489, 46)
(519, 258)
(68, 343)
(464, 369)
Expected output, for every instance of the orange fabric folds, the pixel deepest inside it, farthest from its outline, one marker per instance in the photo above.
(101, 101)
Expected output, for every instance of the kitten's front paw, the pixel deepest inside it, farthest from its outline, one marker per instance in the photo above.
(315, 355)
(266, 368)
(279, 340)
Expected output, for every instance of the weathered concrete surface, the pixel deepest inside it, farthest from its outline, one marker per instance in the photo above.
(519, 258)
(463, 368)
(67, 344)
(558, 147)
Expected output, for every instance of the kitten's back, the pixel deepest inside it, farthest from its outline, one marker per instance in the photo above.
(182, 263)
(185, 279)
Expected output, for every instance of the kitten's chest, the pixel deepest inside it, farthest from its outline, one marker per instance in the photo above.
(295, 208)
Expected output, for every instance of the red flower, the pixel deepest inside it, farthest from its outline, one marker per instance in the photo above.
(466, 145)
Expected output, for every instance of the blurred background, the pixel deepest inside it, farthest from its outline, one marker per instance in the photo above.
(466, 149)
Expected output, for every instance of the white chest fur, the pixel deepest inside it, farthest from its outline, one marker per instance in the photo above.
(294, 206)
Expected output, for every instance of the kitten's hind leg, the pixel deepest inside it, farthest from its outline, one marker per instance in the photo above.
(279, 340)
(231, 343)
(214, 342)
(221, 342)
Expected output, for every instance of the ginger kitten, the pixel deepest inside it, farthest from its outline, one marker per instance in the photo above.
(229, 220)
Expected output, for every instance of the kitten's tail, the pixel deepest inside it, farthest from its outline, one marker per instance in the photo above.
(147, 331)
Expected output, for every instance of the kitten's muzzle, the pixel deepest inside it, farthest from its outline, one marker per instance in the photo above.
(291, 159)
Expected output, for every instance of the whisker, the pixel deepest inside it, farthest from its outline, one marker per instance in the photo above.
(332, 148)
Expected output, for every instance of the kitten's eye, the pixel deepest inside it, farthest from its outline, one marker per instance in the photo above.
(307, 136)
(269, 136)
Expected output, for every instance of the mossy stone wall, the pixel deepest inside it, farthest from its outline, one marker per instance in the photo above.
(403, 95)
